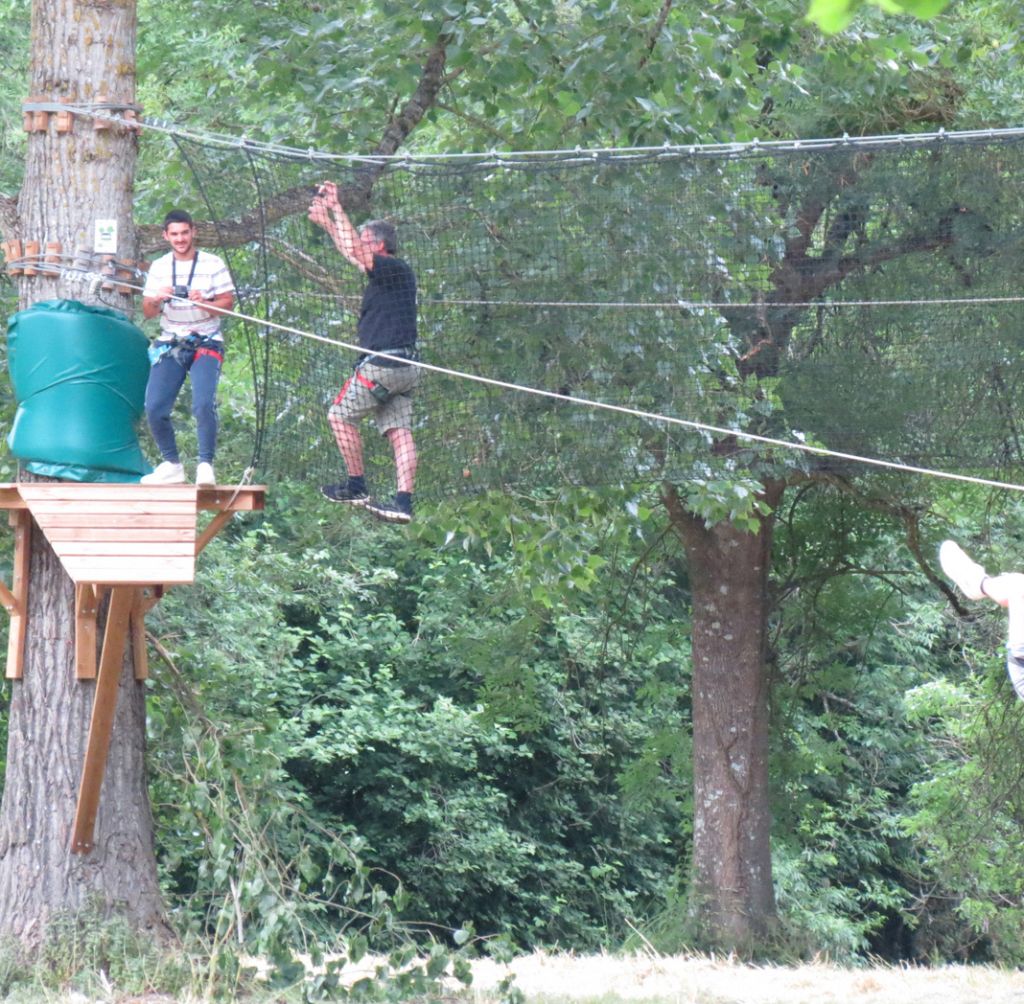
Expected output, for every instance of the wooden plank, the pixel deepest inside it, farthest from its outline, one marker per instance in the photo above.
(248, 499)
(182, 520)
(10, 497)
(154, 563)
(114, 507)
(127, 549)
(128, 533)
(86, 526)
(212, 529)
(123, 573)
(85, 490)
(101, 723)
(185, 534)
(86, 605)
(22, 523)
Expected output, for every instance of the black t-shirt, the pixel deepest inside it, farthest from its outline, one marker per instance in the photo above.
(388, 317)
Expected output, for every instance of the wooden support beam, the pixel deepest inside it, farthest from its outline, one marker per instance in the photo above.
(212, 529)
(138, 635)
(87, 598)
(21, 521)
(122, 599)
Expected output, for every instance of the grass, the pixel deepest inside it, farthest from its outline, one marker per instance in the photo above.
(544, 978)
(607, 979)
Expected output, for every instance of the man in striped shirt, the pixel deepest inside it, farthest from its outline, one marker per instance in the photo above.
(186, 288)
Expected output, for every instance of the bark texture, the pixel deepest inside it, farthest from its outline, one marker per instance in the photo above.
(732, 898)
(81, 51)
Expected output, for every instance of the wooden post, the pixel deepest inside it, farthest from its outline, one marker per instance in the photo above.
(104, 703)
(65, 120)
(32, 257)
(86, 605)
(21, 521)
(53, 250)
(13, 252)
(138, 635)
(212, 529)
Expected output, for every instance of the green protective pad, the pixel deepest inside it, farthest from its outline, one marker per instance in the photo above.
(79, 374)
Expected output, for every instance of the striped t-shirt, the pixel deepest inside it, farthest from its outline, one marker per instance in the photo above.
(177, 317)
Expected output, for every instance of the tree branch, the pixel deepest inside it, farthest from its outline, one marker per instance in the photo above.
(355, 196)
(908, 515)
(652, 36)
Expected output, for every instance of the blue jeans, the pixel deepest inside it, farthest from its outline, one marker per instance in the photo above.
(166, 377)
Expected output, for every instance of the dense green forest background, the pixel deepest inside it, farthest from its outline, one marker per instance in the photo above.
(470, 726)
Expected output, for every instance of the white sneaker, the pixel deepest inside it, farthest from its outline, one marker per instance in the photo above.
(165, 474)
(966, 574)
(204, 475)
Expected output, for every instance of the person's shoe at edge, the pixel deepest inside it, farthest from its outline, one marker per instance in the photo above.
(393, 510)
(344, 493)
(166, 473)
(968, 575)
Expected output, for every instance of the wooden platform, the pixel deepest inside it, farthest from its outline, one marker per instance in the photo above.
(127, 534)
(131, 539)
(108, 536)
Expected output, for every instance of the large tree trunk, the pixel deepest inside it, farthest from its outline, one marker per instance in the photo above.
(732, 897)
(80, 51)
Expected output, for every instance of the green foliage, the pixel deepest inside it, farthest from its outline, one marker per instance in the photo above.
(851, 640)
(834, 15)
(14, 56)
(88, 955)
(612, 73)
(967, 814)
(511, 762)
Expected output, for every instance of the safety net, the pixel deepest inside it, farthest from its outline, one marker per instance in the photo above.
(596, 317)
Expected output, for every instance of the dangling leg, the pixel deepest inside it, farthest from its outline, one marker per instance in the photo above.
(405, 458)
(351, 404)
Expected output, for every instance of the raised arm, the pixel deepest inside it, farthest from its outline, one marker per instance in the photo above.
(327, 211)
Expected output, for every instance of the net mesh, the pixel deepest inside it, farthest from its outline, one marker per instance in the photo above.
(861, 296)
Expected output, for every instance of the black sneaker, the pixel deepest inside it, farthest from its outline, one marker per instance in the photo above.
(342, 493)
(391, 510)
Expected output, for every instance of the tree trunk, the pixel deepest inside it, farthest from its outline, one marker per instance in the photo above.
(732, 897)
(49, 722)
(84, 52)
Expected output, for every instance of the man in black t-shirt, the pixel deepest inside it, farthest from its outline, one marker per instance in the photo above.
(379, 386)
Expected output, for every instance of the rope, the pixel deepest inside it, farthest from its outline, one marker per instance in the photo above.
(513, 157)
(715, 305)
